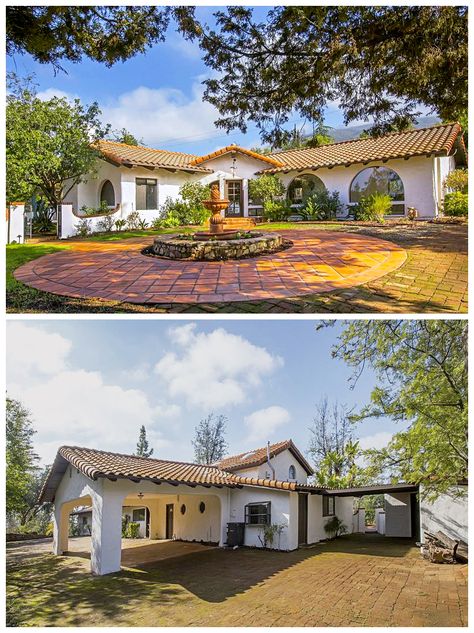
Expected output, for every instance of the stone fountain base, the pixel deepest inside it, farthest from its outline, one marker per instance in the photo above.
(174, 247)
(226, 234)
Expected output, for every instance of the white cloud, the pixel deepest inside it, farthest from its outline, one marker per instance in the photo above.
(214, 369)
(50, 93)
(76, 406)
(377, 440)
(159, 115)
(32, 350)
(184, 47)
(263, 423)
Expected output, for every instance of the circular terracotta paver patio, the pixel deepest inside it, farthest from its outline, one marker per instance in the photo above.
(318, 261)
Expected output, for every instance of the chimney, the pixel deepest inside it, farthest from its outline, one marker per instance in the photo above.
(268, 461)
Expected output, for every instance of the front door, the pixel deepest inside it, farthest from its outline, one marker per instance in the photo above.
(302, 519)
(169, 520)
(233, 193)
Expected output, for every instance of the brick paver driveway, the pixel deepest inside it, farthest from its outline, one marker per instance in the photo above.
(353, 581)
(318, 261)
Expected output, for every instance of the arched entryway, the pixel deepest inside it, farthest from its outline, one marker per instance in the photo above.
(107, 194)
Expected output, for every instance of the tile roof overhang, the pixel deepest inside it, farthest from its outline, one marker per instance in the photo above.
(438, 140)
(96, 464)
(120, 154)
(259, 456)
(230, 149)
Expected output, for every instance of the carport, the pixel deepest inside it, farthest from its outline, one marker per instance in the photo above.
(401, 516)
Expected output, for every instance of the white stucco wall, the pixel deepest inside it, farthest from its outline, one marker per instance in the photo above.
(281, 507)
(14, 225)
(449, 513)
(193, 525)
(281, 463)
(398, 514)
(316, 520)
(417, 175)
(344, 511)
(442, 166)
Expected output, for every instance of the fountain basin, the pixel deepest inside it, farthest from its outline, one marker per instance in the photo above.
(216, 249)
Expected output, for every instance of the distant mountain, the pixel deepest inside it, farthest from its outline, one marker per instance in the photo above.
(350, 133)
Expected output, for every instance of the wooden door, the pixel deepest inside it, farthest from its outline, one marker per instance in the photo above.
(169, 520)
(302, 519)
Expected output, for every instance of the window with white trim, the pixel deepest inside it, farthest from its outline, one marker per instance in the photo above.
(258, 513)
(146, 194)
(329, 505)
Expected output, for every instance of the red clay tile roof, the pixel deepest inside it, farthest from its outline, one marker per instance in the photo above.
(95, 464)
(235, 148)
(138, 156)
(439, 140)
(259, 456)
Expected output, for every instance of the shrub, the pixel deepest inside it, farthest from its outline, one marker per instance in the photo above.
(43, 217)
(102, 209)
(83, 227)
(334, 527)
(182, 212)
(268, 533)
(276, 211)
(125, 522)
(455, 204)
(373, 208)
(120, 224)
(193, 193)
(265, 188)
(133, 530)
(457, 180)
(321, 205)
(106, 224)
(142, 224)
(133, 220)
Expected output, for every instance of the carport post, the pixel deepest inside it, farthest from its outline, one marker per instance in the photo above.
(60, 529)
(224, 499)
(106, 537)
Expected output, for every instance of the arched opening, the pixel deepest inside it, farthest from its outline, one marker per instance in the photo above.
(73, 527)
(292, 472)
(382, 180)
(107, 194)
(302, 187)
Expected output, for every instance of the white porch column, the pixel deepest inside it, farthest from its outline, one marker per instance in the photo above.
(106, 537)
(225, 515)
(60, 529)
(245, 196)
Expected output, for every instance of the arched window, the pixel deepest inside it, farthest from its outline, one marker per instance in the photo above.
(302, 187)
(292, 472)
(107, 194)
(379, 180)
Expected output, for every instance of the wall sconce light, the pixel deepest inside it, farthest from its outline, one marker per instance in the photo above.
(140, 495)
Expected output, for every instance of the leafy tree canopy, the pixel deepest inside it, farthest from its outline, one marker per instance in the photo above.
(106, 34)
(333, 449)
(421, 368)
(143, 447)
(20, 457)
(209, 441)
(124, 136)
(48, 144)
(378, 61)
(266, 188)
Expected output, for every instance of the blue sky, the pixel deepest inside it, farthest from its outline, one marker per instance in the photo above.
(156, 95)
(93, 383)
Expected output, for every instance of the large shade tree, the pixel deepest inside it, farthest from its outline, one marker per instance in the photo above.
(107, 34)
(49, 144)
(383, 62)
(21, 459)
(334, 451)
(422, 382)
(209, 441)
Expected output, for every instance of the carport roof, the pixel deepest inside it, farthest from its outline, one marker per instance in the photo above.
(373, 490)
(96, 464)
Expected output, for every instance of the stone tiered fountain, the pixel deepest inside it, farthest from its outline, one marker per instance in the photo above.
(217, 243)
(216, 222)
